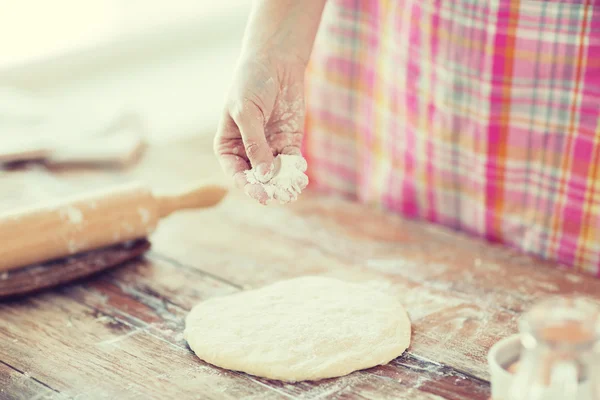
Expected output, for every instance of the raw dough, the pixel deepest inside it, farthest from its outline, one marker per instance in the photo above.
(306, 328)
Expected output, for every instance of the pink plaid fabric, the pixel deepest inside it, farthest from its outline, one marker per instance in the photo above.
(481, 115)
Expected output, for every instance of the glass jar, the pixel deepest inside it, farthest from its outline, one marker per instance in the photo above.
(560, 351)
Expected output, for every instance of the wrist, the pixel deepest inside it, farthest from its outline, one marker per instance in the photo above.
(284, 29)
(272, 56)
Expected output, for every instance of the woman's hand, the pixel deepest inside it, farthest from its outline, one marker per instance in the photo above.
(263, 117)
(264, 112)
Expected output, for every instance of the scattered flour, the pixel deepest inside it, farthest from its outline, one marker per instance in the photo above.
(144, 215)
(72, 214)
(73, 246)
(286, 179)
(127, 227)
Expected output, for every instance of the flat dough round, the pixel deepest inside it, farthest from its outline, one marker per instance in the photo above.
(306, 328)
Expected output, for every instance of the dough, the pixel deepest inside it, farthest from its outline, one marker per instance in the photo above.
(306, 328)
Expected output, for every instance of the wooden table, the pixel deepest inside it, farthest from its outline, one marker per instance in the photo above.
(119, 335)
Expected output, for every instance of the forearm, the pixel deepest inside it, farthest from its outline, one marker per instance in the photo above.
(284, 27)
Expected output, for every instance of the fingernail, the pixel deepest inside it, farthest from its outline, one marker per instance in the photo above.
(265, 171)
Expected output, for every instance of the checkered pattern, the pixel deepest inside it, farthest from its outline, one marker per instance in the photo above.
(481, 115)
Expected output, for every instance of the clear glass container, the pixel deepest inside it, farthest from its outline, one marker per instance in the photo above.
(560, 351)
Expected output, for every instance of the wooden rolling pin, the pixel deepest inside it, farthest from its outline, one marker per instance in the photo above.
(90, 222)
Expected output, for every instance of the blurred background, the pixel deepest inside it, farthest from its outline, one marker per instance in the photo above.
(71, 65)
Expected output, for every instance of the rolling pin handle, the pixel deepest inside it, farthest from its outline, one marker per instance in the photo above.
(202, 196)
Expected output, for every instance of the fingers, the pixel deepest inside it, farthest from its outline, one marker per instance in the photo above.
(241, 145)
(230, 156)
(293, 191)
(236, 167)
(250, 121)
(227, 151)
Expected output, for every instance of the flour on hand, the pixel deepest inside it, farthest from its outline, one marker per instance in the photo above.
(285, 181)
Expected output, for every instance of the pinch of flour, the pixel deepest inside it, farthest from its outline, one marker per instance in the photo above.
(285, 181)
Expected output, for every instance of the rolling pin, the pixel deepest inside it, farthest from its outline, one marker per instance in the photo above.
(91, 221)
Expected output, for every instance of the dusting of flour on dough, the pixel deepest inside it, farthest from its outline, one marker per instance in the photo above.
(308, 328)
(285, 181)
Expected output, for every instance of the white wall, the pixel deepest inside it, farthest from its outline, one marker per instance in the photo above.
(170, 64)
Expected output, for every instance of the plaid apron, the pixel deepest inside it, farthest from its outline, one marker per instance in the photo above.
(480, 115)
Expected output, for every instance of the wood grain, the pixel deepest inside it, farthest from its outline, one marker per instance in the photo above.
(171, 302)
(90, 354)
(462, 295)
(120, 333)
(34, 278)
(136, 318)
(17, 385)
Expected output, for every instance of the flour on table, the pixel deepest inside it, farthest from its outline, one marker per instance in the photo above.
(286, 179)
(307, 328)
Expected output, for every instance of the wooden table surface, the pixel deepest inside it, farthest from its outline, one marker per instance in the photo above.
(118, 335)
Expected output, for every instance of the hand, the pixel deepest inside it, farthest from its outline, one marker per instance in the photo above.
(263, 117)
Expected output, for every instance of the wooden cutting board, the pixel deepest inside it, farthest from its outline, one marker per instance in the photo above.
(34, 278)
